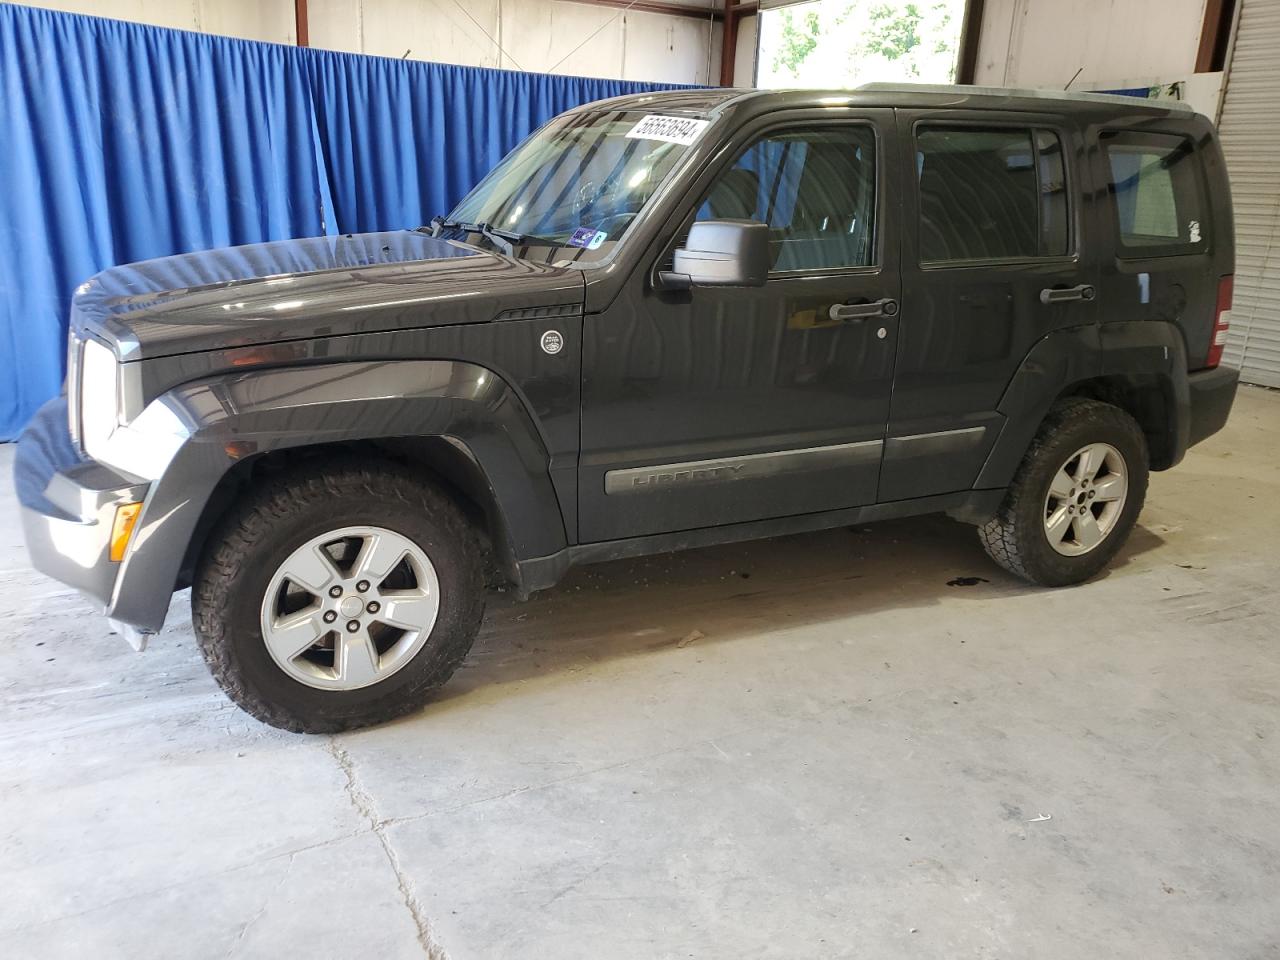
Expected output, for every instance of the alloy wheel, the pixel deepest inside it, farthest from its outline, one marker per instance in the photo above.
(1086, 499)
(349, 608)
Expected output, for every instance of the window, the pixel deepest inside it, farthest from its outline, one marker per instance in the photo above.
(816, 191)
(991, 194)
(1154, 188)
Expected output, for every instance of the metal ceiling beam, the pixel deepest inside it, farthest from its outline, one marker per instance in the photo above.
(733, 14)
(1215, 33)
(970, 38)
(657, 6)
(300, 21)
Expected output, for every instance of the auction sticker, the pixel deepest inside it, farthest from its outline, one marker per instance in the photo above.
(681, 130)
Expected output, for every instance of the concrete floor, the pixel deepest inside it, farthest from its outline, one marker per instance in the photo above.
(858, 759)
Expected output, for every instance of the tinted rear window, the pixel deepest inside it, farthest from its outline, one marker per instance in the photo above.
(1155, 191)
(991, 194)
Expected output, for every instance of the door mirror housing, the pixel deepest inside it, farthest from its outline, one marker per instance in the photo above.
(721, 253)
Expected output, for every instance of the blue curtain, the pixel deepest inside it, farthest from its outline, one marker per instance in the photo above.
(120, 142)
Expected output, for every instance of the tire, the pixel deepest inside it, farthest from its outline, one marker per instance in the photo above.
(347, 678)
(1033, 517)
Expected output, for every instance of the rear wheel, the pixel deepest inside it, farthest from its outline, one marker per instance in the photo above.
(1076, 495)
(337, 597)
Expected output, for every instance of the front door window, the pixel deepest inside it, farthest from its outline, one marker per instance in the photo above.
(814, 188)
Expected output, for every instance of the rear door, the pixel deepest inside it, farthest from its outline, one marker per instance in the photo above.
(992, 262)
(723, 405)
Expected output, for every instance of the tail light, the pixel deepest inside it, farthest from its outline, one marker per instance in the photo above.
(1221, 321)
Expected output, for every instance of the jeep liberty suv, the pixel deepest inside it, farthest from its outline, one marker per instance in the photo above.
(663, 321)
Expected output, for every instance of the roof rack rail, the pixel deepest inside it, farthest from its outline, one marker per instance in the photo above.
(961, 90)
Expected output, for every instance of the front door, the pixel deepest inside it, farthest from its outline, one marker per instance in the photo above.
(725, 405)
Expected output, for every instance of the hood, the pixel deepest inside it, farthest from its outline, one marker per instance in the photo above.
(303, 289)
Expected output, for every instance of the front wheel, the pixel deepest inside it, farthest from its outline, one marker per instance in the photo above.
(338, 597)
(1076, 496)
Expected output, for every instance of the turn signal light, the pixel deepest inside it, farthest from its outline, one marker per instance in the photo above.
(1221, 321)
(122, 529)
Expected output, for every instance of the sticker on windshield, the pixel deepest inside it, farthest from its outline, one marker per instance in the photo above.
(681, 130)
(586, 237)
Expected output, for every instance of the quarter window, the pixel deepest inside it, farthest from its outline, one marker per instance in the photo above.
(1154, 191)
(990, 194)
(816, 191)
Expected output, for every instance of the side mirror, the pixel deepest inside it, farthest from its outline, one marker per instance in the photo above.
(721, 253)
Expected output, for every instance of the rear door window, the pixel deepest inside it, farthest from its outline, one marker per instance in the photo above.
(995, 193)
(1155, 192)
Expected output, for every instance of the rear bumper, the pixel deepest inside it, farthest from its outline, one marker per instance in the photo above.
(1210, 396)
(68, 505)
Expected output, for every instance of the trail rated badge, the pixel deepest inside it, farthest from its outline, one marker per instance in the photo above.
(552, 342)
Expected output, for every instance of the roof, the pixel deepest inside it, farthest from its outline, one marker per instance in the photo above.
(1010, 93)
(713, 100)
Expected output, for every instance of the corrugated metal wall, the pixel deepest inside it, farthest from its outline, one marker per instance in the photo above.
(1250, 129)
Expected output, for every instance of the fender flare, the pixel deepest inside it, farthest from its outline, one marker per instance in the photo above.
(214, 424)
(1154, 350)
(1137, 350)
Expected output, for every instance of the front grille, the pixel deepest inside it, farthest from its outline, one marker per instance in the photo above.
(75, 348)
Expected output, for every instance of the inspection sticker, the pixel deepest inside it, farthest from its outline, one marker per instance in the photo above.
(586, 237)
(681, 130)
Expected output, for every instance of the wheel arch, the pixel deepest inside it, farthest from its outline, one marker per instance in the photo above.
(458, 423)
(445, 462)
(1150, 398)
(1139, 366)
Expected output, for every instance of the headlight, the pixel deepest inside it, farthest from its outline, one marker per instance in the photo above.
(99, 397)
(74, 345)
(104, 399)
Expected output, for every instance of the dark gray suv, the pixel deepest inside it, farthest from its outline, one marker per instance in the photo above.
(663, 321)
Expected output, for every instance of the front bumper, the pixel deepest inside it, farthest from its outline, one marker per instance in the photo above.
(1210, 396)
(68, 505)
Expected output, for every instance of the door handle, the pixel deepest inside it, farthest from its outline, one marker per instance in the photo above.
(853, 312)
(1083, 291)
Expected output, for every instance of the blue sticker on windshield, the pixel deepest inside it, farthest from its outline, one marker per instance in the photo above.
(586, 237)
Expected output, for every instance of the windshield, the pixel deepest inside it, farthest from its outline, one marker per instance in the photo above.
(578, 183)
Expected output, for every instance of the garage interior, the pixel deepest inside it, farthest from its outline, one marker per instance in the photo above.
(865, 742)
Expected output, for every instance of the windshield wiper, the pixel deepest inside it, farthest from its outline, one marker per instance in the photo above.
(504, 240)
(497, 238)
